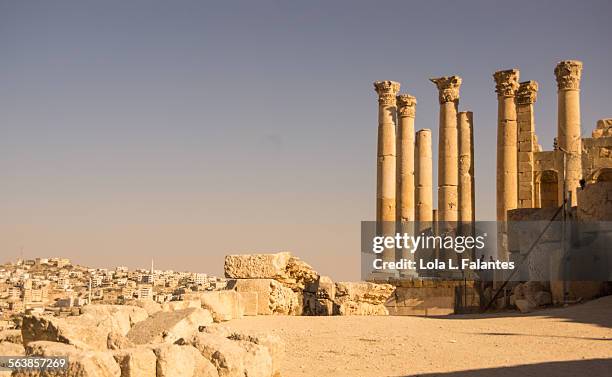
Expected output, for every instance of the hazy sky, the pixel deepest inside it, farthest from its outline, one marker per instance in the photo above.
(187, 130)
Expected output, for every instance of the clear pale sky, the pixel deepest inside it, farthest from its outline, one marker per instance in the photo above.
(187, 130)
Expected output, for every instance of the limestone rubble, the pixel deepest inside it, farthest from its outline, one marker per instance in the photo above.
(181, 341)
(182, 338)
(283, 284)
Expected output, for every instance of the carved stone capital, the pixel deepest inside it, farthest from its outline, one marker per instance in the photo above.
(506, 82)
(568, 74)
(387, 90)
(406, 105)
(527, 93)
(448, 88)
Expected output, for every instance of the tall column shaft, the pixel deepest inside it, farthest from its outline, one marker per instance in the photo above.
(406, 107)
(527, 143)
(466, 169)
(386, 153)
(386, 162)
(423, 177)
(448, 154)
(568, 74)
(507, 136)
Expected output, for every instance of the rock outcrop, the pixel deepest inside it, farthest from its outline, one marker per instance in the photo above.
(169, 326)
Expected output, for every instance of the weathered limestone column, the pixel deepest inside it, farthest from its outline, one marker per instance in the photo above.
(507, 136)
(527, 143)
(448, 155)
(423, 173)
(423, 193)
(406, 108)
(386, 162)
(568, 73)
(466, 167)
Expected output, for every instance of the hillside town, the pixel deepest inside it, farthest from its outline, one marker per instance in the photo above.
(57, 286)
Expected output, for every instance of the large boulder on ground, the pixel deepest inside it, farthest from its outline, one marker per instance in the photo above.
(272, 296)
(11, 336)
(82, 363)
(87, 331)
(119, 318)
(82, 332)
(136, 362)
(257, 360)
(182, 361)
(223, 305)
(530, 295)
(283, 267)
(226, 355)
(169, 326)
(271, 342)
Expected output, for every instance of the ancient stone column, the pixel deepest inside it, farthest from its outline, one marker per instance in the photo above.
(423, 173)
(406, 107)
(386, 162)
(568, 73)
(423, 193)
(507, 136)
(448, 155)
(466, 167)
(527, 143)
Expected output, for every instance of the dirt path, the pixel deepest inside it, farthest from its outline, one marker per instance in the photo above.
(574, 341)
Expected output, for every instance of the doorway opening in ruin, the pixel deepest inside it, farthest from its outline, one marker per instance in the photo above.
(603, 175)
(549, 185)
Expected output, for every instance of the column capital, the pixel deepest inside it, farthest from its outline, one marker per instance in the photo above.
(448, 88)
(387, 90)
(568, 73)
(506, 82)
(406, 105)
(527, 93)
(468, 114)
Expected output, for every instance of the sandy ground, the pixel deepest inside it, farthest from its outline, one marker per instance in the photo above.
(573, 341)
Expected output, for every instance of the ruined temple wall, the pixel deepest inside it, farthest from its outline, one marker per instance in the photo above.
(596, 156)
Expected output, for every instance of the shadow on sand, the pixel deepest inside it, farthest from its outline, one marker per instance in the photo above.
(578, 368)
(596, 312)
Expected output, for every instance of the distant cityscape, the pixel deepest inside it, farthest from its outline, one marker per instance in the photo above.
(57, 286)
